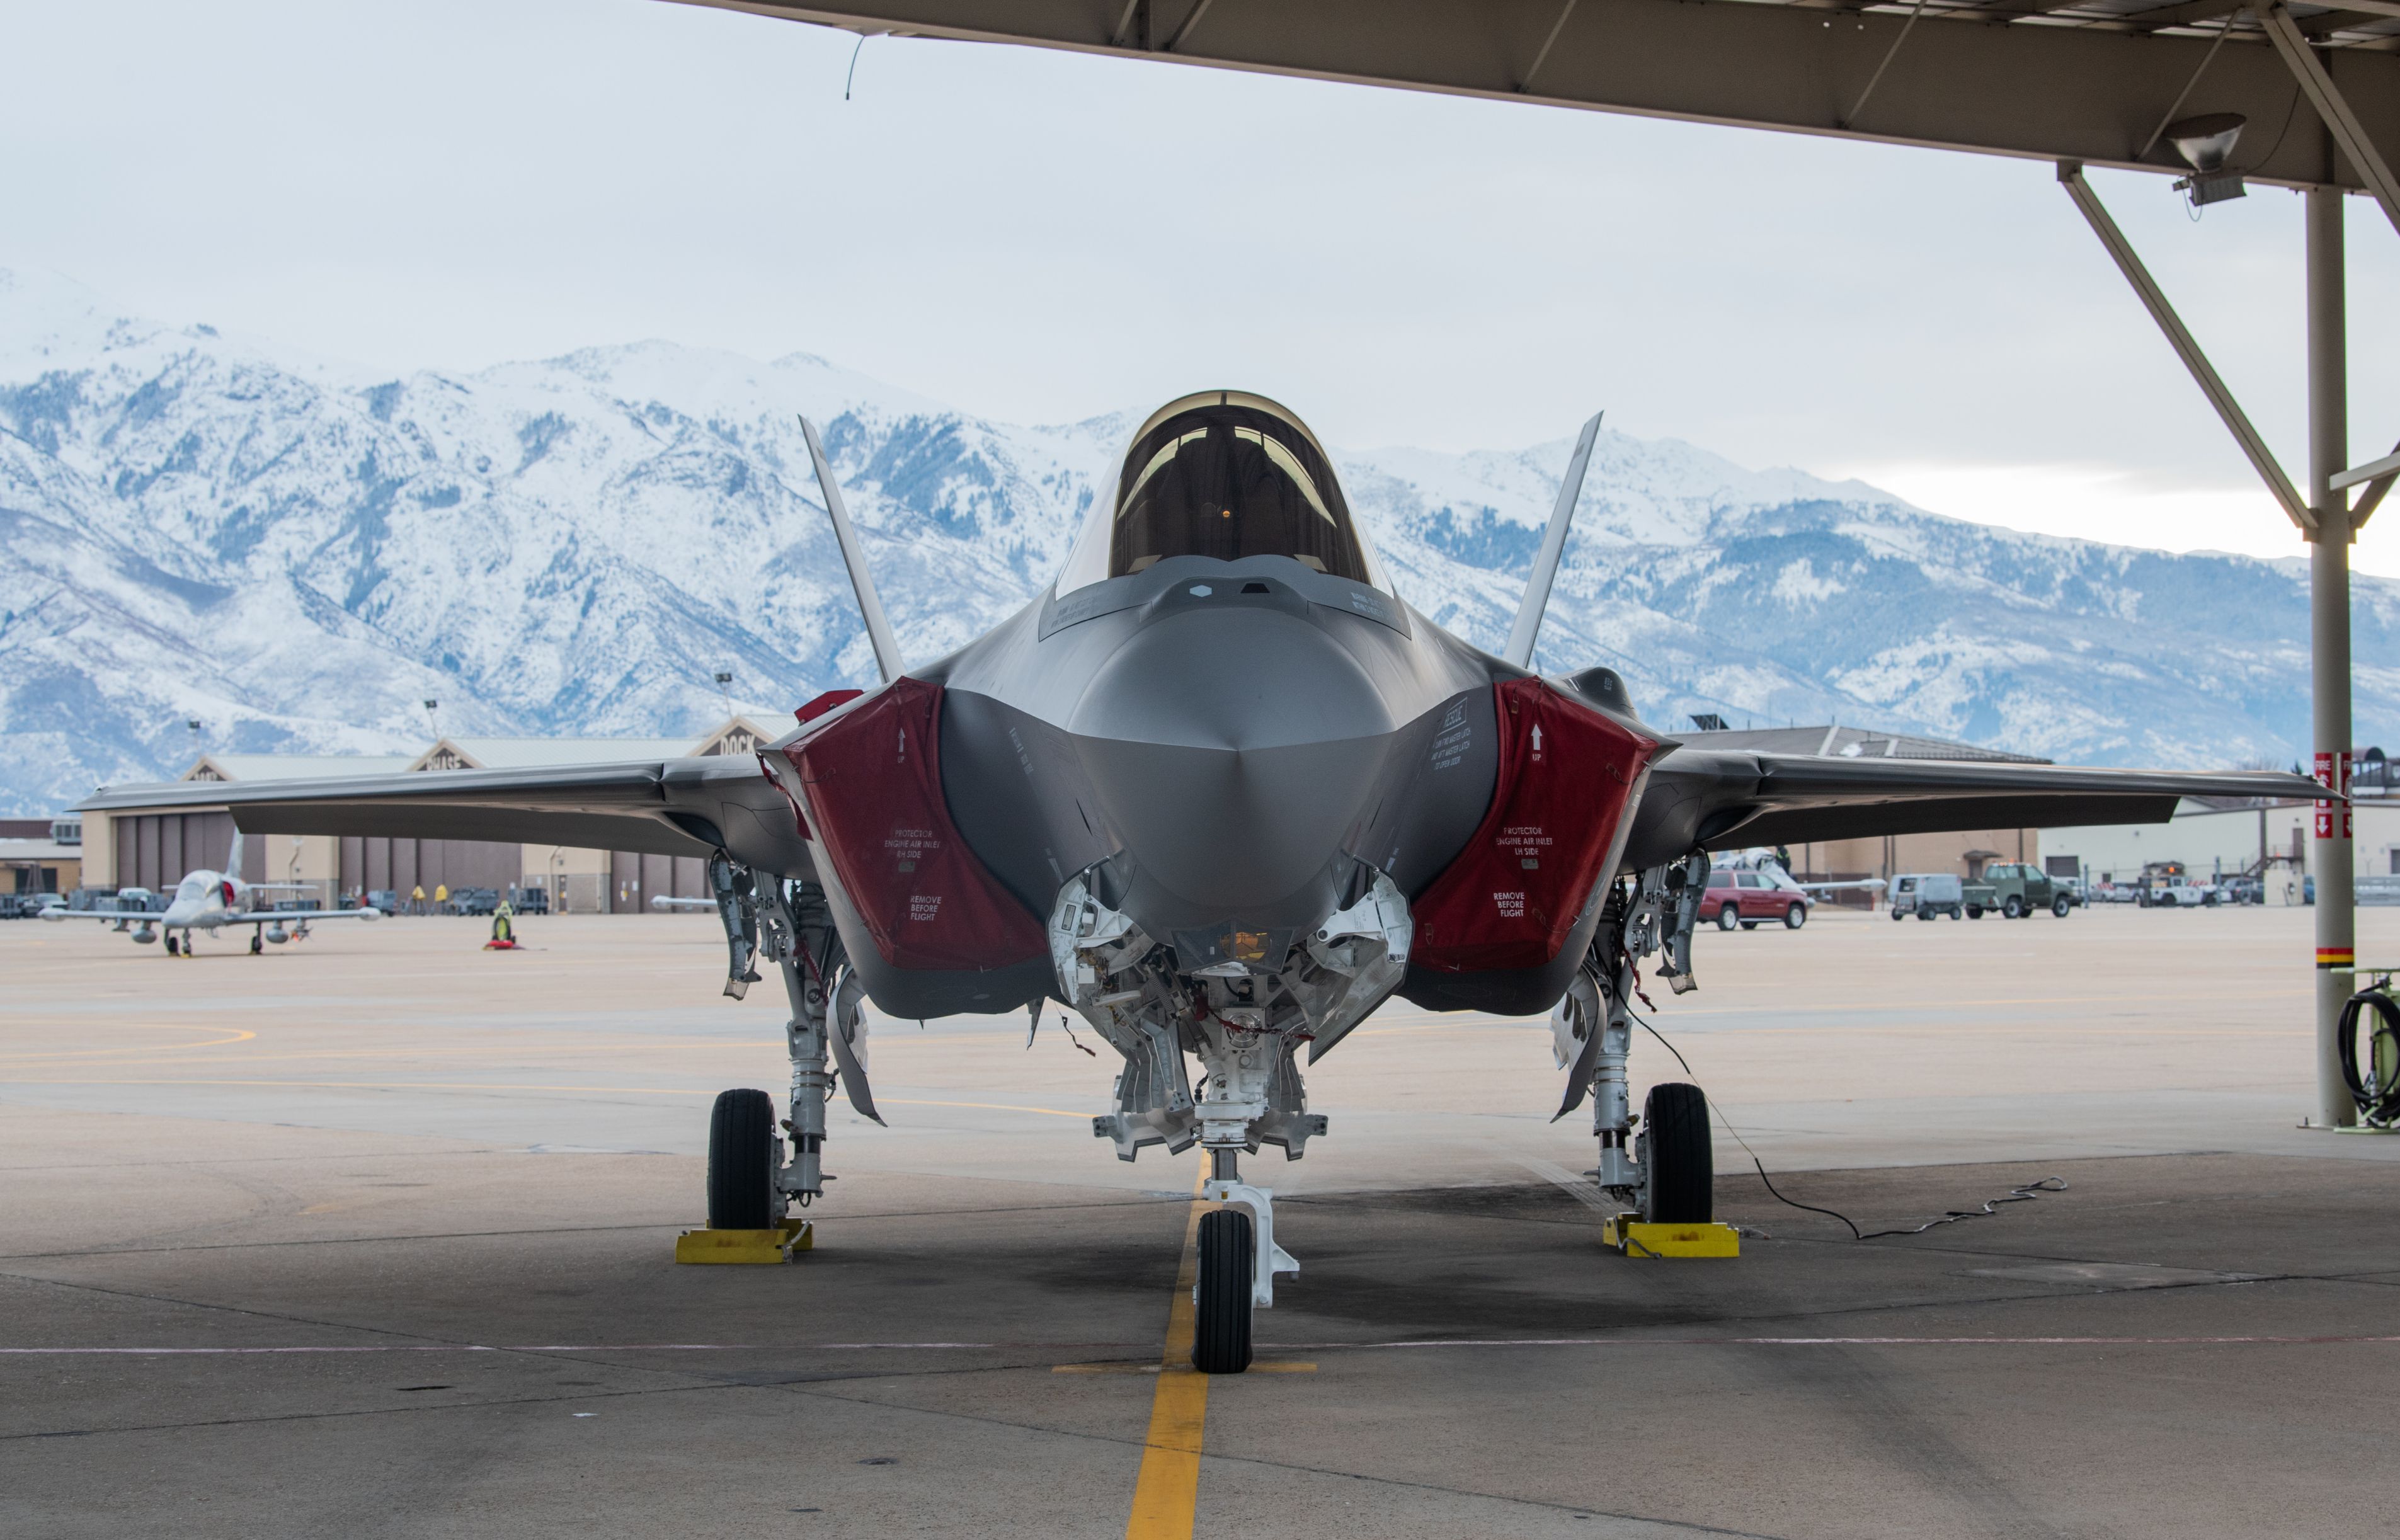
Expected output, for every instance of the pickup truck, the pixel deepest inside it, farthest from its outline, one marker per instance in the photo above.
(2019, 889)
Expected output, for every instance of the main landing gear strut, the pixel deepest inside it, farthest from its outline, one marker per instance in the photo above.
(1666, 1171)
(757, 1169)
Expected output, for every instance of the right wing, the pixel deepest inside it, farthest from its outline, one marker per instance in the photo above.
(672, 807)
(1727, 798)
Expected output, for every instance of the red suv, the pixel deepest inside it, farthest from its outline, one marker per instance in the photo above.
(1745, 898)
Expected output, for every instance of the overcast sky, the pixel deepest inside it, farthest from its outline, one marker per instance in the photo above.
(1040, 237)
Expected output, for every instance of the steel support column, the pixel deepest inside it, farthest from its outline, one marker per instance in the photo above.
(2330, 856)
(2179, 337)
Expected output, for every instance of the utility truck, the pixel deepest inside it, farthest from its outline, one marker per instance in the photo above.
(2018, 888)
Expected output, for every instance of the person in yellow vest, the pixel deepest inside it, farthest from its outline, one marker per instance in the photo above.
(440, 897)
(504, 930)
(416, 899)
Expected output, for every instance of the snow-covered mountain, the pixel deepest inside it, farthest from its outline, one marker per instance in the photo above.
(299, 554)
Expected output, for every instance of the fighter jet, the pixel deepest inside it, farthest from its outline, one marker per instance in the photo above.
(1220, 791)
(211, 901)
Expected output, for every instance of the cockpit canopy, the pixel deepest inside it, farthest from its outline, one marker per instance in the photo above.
(1222, 475)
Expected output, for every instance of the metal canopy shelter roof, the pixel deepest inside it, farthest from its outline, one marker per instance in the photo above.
(2088, 80)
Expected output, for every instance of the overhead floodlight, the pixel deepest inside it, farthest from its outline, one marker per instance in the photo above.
(2205, 142)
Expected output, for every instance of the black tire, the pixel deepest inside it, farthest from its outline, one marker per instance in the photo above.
(1925, 914)
(1796, 917)
(2059, 906)
(2014, 907)
(742, 1160)
(1899, 915)
(1220, 1319)
(1975, 911)
(1681, 1185)
(256, 946)
(171, 944)
(1750, 925)
(1728, 916)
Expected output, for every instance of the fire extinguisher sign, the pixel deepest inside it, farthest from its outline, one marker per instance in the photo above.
(2333, 774)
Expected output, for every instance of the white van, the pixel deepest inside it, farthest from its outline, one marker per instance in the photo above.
(1926, 894)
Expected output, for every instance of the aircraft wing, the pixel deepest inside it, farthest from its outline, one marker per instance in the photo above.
(1727, 798)
(672, 807)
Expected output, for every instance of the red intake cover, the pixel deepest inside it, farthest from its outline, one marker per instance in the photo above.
(1512, 895)
(872, 779)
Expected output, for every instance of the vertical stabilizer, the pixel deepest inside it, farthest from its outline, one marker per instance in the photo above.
(233, 857)
(861, 582)
(1519, 650)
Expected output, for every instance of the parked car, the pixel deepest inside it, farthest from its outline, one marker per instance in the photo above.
(385, 899)
(535, 900)
(1746, 898)
(2019, 889)
(1926, 894)
(2244, 890)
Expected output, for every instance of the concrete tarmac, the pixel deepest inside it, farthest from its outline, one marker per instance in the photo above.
(372, 1236)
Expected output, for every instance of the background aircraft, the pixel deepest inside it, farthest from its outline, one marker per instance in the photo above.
(1222, 792)
(211, 901)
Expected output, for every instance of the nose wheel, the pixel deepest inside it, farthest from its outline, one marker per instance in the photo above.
(1221, 1324)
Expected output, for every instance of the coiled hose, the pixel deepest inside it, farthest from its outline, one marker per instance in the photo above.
(2375, 1084)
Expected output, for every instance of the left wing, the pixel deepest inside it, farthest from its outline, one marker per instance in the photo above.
(1727, 798)
(672, 806)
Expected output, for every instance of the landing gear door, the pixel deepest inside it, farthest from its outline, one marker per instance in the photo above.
(846, 1032)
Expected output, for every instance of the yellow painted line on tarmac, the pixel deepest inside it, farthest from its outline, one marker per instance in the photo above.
(1257, 1367)
(1167, 1494)
(237, 1036)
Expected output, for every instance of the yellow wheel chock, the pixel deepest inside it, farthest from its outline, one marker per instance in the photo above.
(1627, 1233)
(786, 1239)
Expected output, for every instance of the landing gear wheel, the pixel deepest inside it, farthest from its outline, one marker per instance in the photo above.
(1221, 1321)
(2059, 906)
(171, 946)
(2013, 908)
(1679, 1182)
(256, 946)
(1728, 918)
(742, 1160)
(1796, 917)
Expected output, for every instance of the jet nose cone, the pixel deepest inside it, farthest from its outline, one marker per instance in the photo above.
(1233, 749)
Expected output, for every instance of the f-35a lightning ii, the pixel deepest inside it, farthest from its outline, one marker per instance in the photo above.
(1222, 792)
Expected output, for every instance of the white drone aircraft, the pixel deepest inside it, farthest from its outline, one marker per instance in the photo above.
(210, 901)
(1766, 863)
